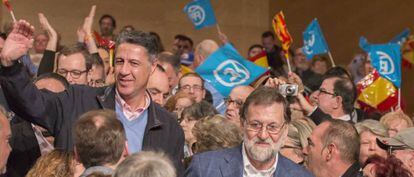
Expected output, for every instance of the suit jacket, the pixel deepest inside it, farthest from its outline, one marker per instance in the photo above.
(318, 116)
(229, 163)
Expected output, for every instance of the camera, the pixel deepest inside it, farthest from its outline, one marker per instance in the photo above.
(289, 90)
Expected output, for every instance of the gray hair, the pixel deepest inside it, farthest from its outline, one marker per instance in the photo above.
(142, 39)
(146, 164)
(299, 131)
(373, 126)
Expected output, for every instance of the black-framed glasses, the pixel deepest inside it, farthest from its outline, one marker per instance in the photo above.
(321, 90)
(73, 73)
(238, 103)
(189, 87)
(271, 128)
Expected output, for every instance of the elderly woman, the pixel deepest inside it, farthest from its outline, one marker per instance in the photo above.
(215, 133)
(177, 103)
(369, 131)
(190, 116)
(395, 122)
(299, 131)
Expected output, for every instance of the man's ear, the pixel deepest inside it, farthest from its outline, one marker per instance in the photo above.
(338, 103)
(330, 151)
(154, 66)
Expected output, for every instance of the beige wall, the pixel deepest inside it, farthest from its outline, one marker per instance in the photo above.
(242, 20)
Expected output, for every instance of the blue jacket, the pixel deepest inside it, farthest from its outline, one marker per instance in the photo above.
(229, 163)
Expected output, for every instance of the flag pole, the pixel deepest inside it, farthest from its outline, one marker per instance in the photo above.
(218, 29)
(288, 62)
(13, 17)
(331, 58)
(399, 98)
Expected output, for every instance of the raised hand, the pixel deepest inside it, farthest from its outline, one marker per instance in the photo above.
(223, 38)
(53, 37)
(86, 31)
(19, 41)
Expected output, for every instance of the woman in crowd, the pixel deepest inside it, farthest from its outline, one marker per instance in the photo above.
(299, 131)
(178, 102)
(369, 131)
(56, 163)
(377, 166)
(395, 122)
(190, 116)
(215, 133)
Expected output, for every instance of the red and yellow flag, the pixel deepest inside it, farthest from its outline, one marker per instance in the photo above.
(7, 4)
(279, 25)
(185, 70)
(260, 59)
(376, 92)
(408, 52)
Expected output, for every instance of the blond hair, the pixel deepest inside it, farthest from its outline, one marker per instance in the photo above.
(387, 118)
(56, 163)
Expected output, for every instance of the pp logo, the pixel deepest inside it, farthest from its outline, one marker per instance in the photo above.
(231, 73)
(386, 63)
(309, 43)
(196, 14)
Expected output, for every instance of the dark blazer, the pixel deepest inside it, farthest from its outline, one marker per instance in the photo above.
(58, 112)
(229, 163)
(318, 116)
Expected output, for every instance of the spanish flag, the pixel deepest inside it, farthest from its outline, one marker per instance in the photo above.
(260, 59)
(376, 92)
(7, 4)
(279, 25)
(185, 70)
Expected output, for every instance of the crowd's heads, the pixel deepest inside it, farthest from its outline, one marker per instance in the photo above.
(5, 136)
(97, 73)
(401, 146)
(52, 82)
(381, 166)
(235, 101)
(299, 60)
(99, 139)
(193, 84)
(107, 24)
(192, 114)
(135, 60)
(128, 28)
(158, 85)
(158, 41)
(396, 121)
(178, 102)
(171, 64)
(254, 50)
(265, 108)
(215, 133)
(320, 64)
(204, 49)
(74, 63)
(298, 133)
(332, 147)
(338, 71)
(182, 44)
(369, 131)
(336, 96)
(268, 41)
(40, 42)
(54, 163)
(146, 164)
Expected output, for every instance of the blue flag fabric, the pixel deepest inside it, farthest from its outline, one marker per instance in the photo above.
(200, 13)
(400, 38)
(385, 58)
(313, 40)
(226, 69)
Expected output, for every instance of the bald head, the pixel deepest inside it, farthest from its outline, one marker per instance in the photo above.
(204, 49)
(236, 99)
(241, 92)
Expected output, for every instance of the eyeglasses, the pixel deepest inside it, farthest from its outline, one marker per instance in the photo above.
(272, 128)
(229, 101)
(189, 87)
(73, 73)
(321, 90)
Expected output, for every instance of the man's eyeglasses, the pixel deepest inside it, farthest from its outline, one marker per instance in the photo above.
(74, 73)
(272, 128)
(326, 92)
(189, 87)
(229, 101)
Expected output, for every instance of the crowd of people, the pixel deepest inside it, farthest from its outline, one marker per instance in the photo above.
(121, 105)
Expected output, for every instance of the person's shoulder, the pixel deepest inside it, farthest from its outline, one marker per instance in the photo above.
(293, 168)
(220, 154)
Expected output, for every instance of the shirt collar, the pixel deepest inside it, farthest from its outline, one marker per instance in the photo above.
(130, 113)
(249, 169)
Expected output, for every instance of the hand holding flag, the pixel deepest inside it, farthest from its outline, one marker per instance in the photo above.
(9, 7)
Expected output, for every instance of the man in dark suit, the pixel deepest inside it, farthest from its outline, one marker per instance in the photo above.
(265, 120)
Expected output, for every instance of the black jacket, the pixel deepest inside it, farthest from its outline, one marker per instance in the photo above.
(58, 112)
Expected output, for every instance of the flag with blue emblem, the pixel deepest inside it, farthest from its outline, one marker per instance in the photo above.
(401, 38)
(313, 40)
(200, 13)
(226, 69)
(385, 58)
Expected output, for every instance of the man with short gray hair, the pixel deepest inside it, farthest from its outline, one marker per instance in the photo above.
(265, 119)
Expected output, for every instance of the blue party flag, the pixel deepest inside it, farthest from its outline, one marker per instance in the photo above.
(200, 13)
(313, 40)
